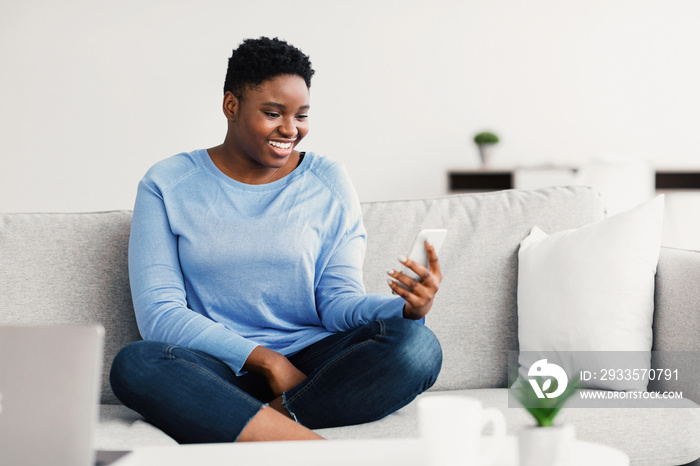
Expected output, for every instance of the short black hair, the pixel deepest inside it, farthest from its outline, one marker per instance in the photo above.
(258, 60)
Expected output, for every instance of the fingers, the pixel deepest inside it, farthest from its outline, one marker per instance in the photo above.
(425, 283)
(433, 261)
(430, 277)
(399, 290)
(412, 299)
(417, 268)
(418, 299)
(420, 290)
(410, 282)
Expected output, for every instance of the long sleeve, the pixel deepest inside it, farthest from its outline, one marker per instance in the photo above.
(158, 287)
(340, 295)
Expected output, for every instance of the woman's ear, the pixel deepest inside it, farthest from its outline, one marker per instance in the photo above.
(231, 105)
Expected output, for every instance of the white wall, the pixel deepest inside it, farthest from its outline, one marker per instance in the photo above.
(92, 93)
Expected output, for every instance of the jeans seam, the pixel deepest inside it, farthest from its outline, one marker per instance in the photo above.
(382, 332)
(198, 354)
(216, 379)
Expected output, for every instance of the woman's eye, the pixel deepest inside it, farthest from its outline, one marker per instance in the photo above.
(272, 114)
(302, 117)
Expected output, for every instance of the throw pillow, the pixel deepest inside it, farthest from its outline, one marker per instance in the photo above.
(586, 297)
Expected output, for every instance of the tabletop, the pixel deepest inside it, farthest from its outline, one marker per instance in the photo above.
(404, 452)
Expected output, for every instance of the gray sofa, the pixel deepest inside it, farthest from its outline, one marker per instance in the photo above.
(72, 268)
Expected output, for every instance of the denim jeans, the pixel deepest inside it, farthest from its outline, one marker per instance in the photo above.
(356, 376)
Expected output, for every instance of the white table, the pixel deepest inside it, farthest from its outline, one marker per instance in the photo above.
(380, 452)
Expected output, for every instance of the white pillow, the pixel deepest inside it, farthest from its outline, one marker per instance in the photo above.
(591, 290)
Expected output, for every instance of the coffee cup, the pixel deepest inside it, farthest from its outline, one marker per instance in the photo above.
(452, 430)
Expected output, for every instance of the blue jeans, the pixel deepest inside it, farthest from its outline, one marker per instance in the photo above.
(356, 376)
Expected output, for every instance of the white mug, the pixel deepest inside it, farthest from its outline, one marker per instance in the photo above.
(451, 429)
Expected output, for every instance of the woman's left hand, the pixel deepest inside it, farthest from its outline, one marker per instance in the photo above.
(280, 373)
(420, 294)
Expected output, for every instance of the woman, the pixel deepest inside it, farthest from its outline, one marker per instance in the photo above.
(245, 266)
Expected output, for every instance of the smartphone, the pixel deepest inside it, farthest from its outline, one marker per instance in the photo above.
(418, 253)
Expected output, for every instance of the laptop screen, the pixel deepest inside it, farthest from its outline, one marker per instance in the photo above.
(49, 383)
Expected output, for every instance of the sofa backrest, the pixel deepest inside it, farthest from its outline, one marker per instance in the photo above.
(72, 269)
(69, 269)
(475, 312)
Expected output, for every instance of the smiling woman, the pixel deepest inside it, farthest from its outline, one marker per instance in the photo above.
(266, 103)
(263, 130)
(245, 266)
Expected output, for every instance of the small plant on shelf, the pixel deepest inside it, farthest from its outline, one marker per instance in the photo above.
(485, 138)
(484, 142)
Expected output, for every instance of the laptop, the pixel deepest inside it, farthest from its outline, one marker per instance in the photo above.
(50, 385)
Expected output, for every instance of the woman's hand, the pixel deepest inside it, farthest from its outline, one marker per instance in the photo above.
(419, 296)
(281, 375)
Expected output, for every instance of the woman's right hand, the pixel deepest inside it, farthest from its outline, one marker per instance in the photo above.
(418, 295)
(281, 375)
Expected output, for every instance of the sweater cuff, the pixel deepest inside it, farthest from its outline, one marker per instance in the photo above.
(226, 346)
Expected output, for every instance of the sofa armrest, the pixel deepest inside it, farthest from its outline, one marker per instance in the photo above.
(677, 301)
(677, 321)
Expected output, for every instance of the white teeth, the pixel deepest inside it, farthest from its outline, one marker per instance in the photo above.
(281, 145)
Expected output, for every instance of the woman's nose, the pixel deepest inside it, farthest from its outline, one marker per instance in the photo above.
(288, 128)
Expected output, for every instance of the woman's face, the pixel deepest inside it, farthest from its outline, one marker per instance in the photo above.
(270, 120)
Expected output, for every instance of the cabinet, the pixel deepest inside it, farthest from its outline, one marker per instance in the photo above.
(494, 180)
(682, 189)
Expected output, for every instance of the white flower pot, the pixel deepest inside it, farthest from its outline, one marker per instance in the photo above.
(546, 446)
(485, 153)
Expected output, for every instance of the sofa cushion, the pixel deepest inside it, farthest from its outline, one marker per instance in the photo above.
(589, 294)
(120, 428)
(68, 269)
(474, 315)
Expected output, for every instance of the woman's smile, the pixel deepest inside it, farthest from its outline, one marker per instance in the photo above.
(280, 145)
(282, 149)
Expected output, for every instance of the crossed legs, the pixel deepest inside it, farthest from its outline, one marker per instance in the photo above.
(354, 377)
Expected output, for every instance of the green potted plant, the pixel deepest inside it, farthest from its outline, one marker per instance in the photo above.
(485, 142)
(545, 443)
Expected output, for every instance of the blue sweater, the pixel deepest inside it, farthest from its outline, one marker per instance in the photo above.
(222, 266)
